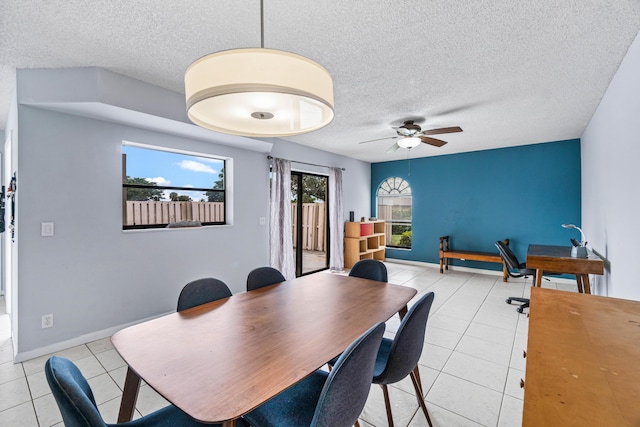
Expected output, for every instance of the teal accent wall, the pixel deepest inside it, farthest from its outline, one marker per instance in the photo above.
(521, 193)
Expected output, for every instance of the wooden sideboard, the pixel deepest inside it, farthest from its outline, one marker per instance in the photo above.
(583, 358)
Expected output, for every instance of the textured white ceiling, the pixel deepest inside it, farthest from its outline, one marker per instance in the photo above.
(508, 72)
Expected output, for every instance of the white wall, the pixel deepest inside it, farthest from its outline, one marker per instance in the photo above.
(610, 148)
(93, 276)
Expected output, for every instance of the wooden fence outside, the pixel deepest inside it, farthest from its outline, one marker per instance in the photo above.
(159, 212)
(152, 212)
(384, 212)
(314, 232)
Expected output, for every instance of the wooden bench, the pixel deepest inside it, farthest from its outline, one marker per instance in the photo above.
(446, 253)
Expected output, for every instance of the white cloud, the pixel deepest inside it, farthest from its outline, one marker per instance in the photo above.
(196, 167)
(159, 181)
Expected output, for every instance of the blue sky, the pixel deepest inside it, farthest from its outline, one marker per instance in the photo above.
(174, 169)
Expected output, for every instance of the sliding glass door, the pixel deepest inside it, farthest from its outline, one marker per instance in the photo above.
(309, 196)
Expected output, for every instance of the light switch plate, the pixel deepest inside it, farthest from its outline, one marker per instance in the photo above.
(46, 229)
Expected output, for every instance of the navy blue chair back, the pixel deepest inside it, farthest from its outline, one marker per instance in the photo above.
(371, 269)
(263, 276)
(407, 345)
(346, 390)
(78, 407)
(202, 291)
(72, 393)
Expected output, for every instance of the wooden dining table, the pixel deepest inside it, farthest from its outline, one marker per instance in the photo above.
(220, 360)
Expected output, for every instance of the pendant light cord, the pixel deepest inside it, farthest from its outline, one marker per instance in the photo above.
(262, 24)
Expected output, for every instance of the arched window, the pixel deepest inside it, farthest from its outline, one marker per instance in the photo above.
(394, 206)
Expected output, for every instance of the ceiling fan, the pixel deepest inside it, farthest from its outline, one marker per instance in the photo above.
(410, 135)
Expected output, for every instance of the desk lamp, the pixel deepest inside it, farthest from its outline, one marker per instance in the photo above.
(581, 250)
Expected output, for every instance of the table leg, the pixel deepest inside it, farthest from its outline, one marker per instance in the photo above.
(538, 278)
(586, 284)
(229, 423)
(129, 396)
(579, 282)
(402, 312)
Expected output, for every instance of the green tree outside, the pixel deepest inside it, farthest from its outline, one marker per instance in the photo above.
(142, 194)
(174, 197)
(314, 189)
(214, 196)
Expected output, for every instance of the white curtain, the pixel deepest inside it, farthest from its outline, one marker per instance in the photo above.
(336, 220)
(281, 240)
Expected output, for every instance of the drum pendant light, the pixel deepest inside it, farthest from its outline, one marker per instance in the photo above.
(258, 92)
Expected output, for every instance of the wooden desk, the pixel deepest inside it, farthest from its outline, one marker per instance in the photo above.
(582, 361)
(220, 360)
(558, 259)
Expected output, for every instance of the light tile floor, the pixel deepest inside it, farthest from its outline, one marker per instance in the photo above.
(471, 365)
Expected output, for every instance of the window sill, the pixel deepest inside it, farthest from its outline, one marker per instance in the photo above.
(145, 230)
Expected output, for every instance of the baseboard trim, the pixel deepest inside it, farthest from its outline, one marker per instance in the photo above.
(80, 340)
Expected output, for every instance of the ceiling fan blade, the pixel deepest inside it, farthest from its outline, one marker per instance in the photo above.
(440, 131)
(433, 141)
(393, 148)
(379, 139)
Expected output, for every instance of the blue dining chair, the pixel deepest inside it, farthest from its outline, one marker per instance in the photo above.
(202, 291)
(371, 269)
(78, 406)
(325, 399)
(399, 357)
(263, 276)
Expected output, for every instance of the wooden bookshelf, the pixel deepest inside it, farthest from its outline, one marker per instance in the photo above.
(363, 240)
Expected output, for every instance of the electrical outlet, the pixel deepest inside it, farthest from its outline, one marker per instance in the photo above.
(47, 321)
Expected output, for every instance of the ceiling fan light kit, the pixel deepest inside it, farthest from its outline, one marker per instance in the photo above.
(258, 92)
(409, 142)
(410, 135)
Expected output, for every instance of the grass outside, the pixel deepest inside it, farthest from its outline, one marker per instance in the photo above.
(395, 241)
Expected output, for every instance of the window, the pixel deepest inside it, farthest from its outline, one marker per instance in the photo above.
(394, 206)
(163, 188)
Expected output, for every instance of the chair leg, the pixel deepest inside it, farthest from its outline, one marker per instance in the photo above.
(416, 371)
(419, 397)
(357, 424)
(387, 404)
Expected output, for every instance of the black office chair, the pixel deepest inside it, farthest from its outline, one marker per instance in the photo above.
(371, 269)
(202, 291)
(515, 269)
(263, 276)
